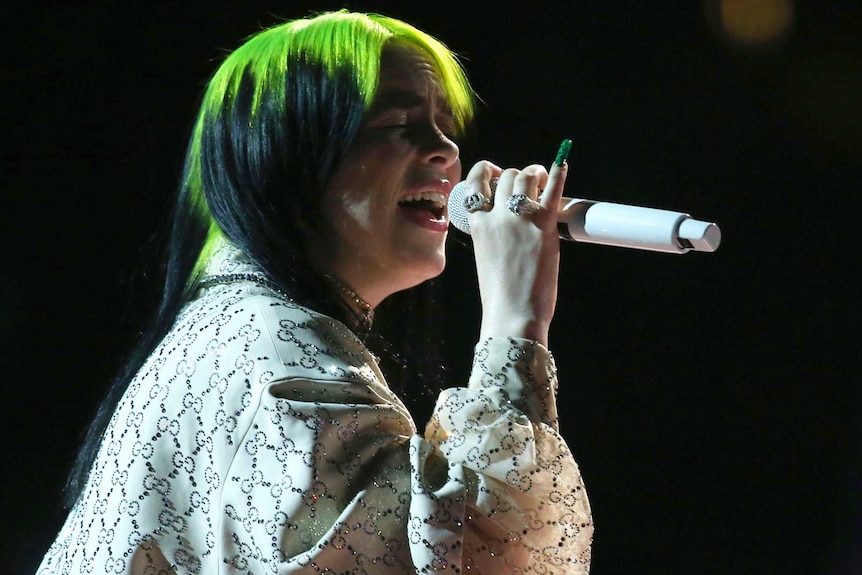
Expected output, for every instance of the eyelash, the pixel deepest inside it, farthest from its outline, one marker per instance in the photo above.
(446, 127)
(448, 132)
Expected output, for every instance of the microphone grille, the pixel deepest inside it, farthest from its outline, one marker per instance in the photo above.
(457, 210)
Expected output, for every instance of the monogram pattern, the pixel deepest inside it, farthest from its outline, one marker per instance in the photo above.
(260, 437)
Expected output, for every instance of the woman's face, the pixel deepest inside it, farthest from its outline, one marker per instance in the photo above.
(385, 207)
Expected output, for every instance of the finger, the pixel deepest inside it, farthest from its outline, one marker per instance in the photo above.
(505, 185)
(550, 198)
(530, 180)
(479, 177)
(478, 184)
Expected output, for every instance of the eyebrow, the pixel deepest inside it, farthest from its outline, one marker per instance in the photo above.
(397, 98)
(405, 99)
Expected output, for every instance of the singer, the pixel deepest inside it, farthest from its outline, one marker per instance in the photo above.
(252, 430)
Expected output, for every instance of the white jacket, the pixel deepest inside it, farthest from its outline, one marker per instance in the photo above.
(260, 437)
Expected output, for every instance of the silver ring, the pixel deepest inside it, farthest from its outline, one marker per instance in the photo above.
(475, 202)
(521, 205)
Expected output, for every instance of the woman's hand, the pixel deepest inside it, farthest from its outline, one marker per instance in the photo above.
(517, 257)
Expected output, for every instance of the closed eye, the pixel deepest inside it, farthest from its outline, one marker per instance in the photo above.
(389, 120)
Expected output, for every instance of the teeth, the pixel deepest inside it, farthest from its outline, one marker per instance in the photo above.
(435, 197)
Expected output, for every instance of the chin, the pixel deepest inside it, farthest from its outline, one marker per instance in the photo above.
(427, 270)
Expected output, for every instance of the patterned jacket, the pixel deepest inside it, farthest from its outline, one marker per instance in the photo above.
(260, 437)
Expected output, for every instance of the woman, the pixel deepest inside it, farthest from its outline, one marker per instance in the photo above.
(254, 432)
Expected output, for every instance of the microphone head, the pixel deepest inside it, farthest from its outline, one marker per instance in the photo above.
(457, 210)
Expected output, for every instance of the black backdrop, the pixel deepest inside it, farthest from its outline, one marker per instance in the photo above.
(712, 400)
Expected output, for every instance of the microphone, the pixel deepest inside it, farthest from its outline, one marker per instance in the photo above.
(616, 225)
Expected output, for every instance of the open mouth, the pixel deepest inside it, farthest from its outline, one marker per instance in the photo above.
(434, 203)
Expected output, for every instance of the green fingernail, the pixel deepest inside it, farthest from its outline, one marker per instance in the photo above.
(563, 152)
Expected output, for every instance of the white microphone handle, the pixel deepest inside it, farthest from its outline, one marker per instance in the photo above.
(618, 225)
(635, 227)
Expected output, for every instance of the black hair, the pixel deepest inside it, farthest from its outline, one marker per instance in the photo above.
(261, 151)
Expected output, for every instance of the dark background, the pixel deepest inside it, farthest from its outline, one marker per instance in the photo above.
(712, 400)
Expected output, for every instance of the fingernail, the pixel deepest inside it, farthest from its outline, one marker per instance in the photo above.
(563, 152)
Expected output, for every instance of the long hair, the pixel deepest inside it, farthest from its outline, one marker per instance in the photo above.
(275, 121)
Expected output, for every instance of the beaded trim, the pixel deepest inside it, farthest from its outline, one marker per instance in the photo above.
(255, 278)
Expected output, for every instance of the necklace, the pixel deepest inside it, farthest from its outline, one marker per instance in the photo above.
(366, 315)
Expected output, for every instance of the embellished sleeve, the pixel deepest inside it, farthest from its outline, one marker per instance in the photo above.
(527, 509)
(261, 438)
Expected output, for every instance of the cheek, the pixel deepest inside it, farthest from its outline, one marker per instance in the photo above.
(342, 213)
(353, 208)
(454, 172)
(357, 213)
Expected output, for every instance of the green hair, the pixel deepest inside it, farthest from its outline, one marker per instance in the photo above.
(340, 42)
(275, 121)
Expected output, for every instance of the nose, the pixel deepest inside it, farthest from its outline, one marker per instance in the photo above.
(439, 149)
